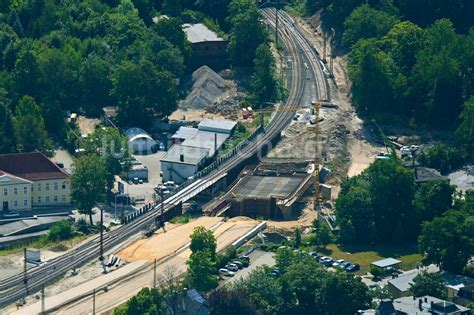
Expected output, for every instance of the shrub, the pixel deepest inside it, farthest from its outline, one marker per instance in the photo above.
(60, 231)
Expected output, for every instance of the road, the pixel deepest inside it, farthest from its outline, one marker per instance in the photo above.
(304, 60)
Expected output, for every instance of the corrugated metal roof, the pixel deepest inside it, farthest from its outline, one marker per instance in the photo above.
(198, 33)
(192, 155)
(217, 124)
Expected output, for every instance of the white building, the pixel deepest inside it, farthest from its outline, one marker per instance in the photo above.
(140, 142)
(182, 162)
(219, 126)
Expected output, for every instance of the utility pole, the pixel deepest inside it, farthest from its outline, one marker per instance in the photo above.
(276, 23)
(43, 307)
(154, 274)
(25, 266)
(324, 47)
(101, 257)
(93, 302)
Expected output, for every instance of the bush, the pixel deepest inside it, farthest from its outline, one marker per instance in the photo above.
(469, 271)
(441, 157)
(226, 257)
(376, 272)
(60, 231)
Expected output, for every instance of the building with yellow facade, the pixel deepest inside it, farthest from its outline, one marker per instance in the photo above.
(31, 180)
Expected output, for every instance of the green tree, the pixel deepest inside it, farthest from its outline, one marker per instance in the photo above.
(247, 32)
(172, 7)
(264, 83)
(7, 139)
(405, 40)
(265, 291)
(60, 231)
(201, 271)
(147, 301)
(88, 183)
(53, 117)
(366, 22)
(94, 79)
(432, 199)
(139, 88)
(29, 129)
(297, 237)
(26, 72)
(231, 302)
(172, 30)
(342, 286)
(465, 130)
(431, 284)
(203, 239)
(448, 240)
(112, 146)
(436, 76)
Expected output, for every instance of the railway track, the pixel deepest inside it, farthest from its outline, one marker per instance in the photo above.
(15, 288)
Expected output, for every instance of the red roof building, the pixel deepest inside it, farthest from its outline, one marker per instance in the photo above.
(32, 166)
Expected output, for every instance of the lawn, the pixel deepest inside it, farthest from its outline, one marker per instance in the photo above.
(364, 255)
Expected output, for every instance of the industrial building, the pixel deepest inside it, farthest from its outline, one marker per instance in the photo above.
(29, 180)
(208, 47)
(140, 142)
(192, 147)
(182, 162)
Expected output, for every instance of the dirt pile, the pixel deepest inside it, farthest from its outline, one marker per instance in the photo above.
(229, 107)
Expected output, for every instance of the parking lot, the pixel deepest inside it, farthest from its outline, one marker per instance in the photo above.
(144, 192)
(257, 258)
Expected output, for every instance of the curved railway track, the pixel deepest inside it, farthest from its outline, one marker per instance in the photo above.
(13, 289)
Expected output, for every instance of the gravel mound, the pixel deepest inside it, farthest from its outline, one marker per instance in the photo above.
(208, 88)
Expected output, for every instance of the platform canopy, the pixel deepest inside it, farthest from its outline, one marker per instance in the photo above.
(386, 263)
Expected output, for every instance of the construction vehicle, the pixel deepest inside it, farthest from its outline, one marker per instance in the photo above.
(391, 150)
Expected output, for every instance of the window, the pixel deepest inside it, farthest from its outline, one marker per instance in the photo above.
(5, 191)
(64, 185)
(55, 185)
(15, 203)
(55, 198)
(39, 186)
(63, 198)
(47, 186)
(39, 199)
(25, 190)
(15, 190)
(47, 199)
(25, 202)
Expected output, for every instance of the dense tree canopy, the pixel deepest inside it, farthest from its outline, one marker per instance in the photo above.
(431, 284)
(383, 204)
(147, 302)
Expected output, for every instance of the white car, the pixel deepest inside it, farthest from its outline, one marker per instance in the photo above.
(232, 267)
(226, 272)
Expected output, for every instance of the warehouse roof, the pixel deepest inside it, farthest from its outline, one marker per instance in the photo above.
(404, 281)
(198, 33)
(202, 139)
(190, 155)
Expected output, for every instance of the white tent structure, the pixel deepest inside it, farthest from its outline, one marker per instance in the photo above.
(140, 142)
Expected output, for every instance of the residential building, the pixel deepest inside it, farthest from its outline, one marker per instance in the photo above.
(458, 287)
(410, 305)
(29, 180)
(182, 162)
(400, 286)
(188, 302)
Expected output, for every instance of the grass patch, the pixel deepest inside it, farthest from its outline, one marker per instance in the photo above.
(182, 219)
(42, 244)
(364, 255)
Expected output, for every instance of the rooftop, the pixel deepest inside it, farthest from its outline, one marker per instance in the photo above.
(387, 262)
(31, 166)
(426, 305)
(191, 155)
(201, 139)
(198, 33)
(208, 124)
(404, 281)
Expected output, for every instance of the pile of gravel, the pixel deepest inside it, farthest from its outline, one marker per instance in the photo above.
(207, 88)
(228, 107)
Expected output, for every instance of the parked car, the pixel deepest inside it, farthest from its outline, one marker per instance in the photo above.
(277, 270)
(338, 263)
(238, 264)
(313, 254)
(226, 272)
(327, 261)
(232, 267)
(345, 264)
(352, 268)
